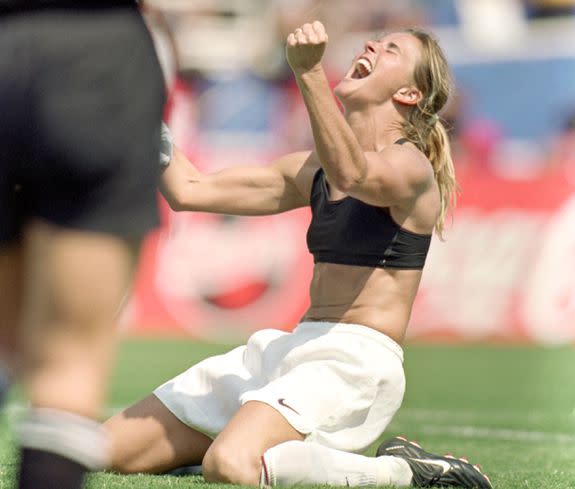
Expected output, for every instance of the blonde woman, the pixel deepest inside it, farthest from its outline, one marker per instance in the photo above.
(291, 408)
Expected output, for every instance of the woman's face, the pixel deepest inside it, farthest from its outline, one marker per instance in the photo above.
(384, 69)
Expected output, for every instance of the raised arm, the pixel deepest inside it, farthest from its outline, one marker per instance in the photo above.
(244, 190)
(393, 176)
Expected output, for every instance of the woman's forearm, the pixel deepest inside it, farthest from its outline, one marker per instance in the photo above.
(177, 181)
(241, 190)
(339, 152)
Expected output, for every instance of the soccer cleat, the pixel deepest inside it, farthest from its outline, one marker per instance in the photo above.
(431, 470)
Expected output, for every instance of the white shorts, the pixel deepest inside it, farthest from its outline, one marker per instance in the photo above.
(338, 384)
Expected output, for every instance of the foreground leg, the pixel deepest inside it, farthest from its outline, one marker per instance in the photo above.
(148, 438)
(74, 284)
(295, 463)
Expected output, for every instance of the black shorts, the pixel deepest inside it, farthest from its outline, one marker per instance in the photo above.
(81, 97)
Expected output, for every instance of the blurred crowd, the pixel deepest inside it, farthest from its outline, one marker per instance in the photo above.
(233, 97)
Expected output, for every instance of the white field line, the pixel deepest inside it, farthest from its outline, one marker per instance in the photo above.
(501, 434)
(460, 424)
(441, 422)
(454, 416)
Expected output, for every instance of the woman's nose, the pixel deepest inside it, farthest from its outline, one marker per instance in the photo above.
(370, 46)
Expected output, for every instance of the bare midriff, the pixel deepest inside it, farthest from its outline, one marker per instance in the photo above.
(378, 298)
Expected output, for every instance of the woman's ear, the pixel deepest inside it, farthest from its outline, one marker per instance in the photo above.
(409, 95)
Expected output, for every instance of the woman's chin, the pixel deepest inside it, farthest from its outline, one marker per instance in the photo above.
(347, 92)
(344, 89)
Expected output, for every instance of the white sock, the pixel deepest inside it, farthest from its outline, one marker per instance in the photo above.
(298, 462)
(66, 434)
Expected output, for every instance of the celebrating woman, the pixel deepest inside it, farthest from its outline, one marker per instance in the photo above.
(291, 408)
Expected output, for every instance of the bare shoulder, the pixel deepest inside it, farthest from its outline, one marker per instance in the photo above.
(414, 166)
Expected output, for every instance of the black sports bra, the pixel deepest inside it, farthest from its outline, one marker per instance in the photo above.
(351, 232)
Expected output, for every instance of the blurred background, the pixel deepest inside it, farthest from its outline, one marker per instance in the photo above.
(506, 270)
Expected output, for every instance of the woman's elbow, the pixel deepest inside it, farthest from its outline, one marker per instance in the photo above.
(174, 200)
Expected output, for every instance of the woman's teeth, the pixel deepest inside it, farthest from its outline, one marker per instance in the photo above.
(363, 68)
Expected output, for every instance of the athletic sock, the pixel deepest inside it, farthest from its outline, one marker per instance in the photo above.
(58, 448)
(47, 470)
(297, 462)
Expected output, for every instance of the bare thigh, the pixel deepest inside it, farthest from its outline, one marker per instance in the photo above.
(74, 282)
(235, 455)
(148, 438)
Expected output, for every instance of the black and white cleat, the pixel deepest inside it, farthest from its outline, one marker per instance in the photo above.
(430, 470)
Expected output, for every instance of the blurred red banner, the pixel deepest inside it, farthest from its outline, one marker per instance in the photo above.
(505, 271)
(507, 268)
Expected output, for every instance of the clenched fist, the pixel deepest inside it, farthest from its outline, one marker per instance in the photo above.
(305, 47)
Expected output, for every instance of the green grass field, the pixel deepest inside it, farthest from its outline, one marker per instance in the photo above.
(511, 409)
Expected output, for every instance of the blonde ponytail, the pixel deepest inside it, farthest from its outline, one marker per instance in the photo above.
(439, 154)
(423, 126)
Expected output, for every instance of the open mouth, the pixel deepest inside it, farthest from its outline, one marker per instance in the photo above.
(363, 69)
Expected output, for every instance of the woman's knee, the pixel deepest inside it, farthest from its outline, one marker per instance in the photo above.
(233, 465)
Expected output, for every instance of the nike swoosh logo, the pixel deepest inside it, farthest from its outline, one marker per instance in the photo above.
(445, 466)
(282, 402)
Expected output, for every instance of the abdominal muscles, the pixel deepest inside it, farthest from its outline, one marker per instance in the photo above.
(375, 297)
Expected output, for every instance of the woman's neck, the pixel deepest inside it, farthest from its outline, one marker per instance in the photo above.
(375, 127)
